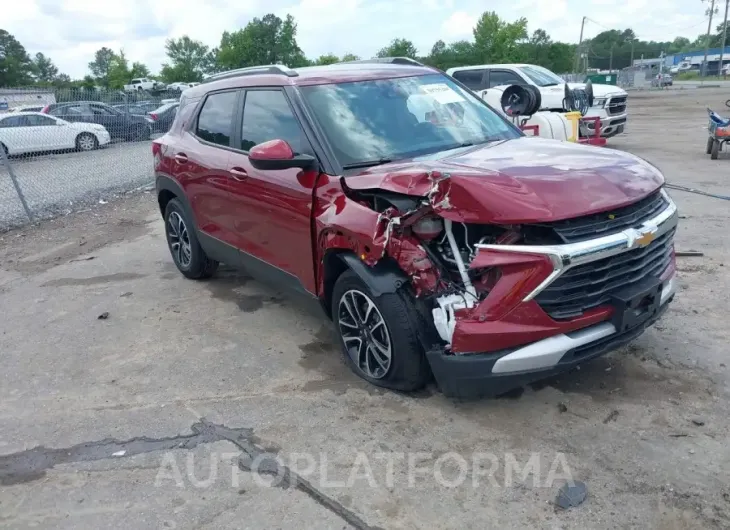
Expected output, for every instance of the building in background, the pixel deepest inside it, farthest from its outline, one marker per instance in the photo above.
(10, 97)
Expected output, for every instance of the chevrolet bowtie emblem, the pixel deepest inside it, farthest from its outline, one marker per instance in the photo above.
(645, 238)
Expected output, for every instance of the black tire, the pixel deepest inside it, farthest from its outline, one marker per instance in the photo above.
(710, 141)
(408, 368)
(727, 103)
(142, 133)
(198, 265)
(86, 142)
(715, 150)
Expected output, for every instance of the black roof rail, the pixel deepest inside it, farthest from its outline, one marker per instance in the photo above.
(386, 60)
(253, 70)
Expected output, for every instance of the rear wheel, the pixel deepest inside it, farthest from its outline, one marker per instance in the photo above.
(377, 336)
(86, 142)
(715, 150)
(141, 133)
(710, 140)
(189, 257)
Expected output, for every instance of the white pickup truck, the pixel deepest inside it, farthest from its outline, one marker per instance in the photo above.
(609, 100)
(142, 83)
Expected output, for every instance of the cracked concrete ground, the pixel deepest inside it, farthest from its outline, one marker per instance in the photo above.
(154, 417)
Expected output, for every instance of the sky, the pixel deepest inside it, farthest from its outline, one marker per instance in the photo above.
(70, 31)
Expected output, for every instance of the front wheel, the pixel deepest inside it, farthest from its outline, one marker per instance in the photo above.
(86, 142)
(377, 336)
(710, 141)
(715, 150)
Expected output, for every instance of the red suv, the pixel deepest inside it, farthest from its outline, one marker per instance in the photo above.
(438, 238)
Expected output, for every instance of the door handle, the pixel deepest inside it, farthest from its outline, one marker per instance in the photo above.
(181, 158)
(238, 173)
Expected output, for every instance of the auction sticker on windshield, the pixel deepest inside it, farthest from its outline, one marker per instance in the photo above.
(442, 93)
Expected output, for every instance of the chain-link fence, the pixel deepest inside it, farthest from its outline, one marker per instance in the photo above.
(63, 149)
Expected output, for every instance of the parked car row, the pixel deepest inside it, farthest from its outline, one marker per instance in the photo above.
(30, 132)
(121, 125)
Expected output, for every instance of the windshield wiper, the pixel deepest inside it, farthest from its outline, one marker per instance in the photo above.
(367, 163)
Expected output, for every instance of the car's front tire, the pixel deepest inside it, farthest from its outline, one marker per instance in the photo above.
(86, 142)
(377, 336)
(189, 257)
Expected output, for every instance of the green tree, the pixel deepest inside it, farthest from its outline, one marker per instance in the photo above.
(119, 73)
(538, 48)
(399, 48)
(350, 57)
(139, 70)
(266, 40)
(62, 81)
(188, 60)
(326, 59)
(497, 41)
(16, 67)
(101, 65)
(43, 69)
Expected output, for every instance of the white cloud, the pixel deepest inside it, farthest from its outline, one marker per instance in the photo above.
(459, 25)
(69, 31)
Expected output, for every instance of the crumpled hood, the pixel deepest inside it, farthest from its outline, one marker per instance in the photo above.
(525, 180)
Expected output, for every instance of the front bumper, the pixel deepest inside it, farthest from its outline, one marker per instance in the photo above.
(494, 350)
(493, 374)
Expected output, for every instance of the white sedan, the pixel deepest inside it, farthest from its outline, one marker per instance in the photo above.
(30, 132)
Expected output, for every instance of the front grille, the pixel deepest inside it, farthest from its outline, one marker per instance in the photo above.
(591, 285)
(610, 222)
(616, 105)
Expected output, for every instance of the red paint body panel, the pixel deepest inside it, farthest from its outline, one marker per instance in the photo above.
(525, 324)
(271, 217)
(526, 180)
(272, 150)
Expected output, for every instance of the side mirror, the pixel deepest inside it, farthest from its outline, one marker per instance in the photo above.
(278, 154)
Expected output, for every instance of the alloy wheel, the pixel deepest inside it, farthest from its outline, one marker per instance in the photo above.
(86, 143)
(179, 239)
(365, 334)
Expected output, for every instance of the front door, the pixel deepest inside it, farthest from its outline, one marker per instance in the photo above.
(271, 221)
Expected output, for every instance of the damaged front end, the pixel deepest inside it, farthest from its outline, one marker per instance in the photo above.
(495, 286)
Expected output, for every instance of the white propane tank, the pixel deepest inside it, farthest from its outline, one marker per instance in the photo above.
(550, 124)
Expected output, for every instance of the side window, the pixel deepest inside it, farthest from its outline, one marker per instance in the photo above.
(73, 110)
(14, 121)
(101, 111)
(267, 116)
(36, 121)
(216, 117)
(504, 77)
(471, 78)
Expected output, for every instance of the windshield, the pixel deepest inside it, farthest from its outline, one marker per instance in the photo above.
(542, 76)
(369, 122)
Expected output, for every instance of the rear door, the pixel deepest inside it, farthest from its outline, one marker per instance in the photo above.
(503, 77)
(75, 112)
(16, 135)
(272, 209)
(200, 164)
(473, 79)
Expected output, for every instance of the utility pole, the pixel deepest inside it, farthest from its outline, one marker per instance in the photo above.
(632, 50)
(580, 44)
(724, 36)
(610, 61)
(707, 38)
